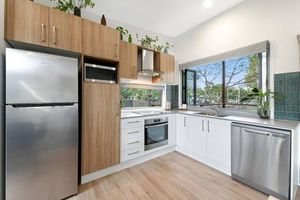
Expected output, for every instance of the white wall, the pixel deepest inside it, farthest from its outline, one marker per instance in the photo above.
(249, 22)
(2, 49)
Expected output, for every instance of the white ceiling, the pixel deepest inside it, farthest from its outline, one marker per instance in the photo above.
(168, 17)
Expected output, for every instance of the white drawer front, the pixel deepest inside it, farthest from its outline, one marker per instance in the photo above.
(132, 153)
(133, 132)
(131, 143)
(131, 123)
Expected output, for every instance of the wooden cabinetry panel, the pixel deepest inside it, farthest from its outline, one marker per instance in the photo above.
(128, 60)
(166, 64)
(101, 126)
(27, 22)
(100, 41)
(65, 31)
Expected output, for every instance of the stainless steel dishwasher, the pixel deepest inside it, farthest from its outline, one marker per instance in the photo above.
(261, 158)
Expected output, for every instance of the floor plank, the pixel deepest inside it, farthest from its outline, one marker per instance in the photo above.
(170, 177)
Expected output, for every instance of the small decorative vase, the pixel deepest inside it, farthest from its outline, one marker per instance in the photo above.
(103, 20)
(129, 39)
(77, 12)
(263, 112)
(121, 37)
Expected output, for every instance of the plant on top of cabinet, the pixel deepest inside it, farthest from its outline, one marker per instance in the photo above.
(147, 41)
(167, 47)
(71, 5)
(262, 99)
(123, 31)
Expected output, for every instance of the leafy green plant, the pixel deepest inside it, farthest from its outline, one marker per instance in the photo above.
(167, 47)
(70, 5)
(147, 41)
(123, 31)
(262, 98)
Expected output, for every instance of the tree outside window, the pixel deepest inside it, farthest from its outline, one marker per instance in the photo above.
(224, 83)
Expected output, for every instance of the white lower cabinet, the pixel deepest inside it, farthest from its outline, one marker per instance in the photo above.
(205, 139)
(196, 137)
(181, 126)
(172, 130)
(218, 145)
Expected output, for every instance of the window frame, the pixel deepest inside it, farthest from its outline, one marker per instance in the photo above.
(223, 97)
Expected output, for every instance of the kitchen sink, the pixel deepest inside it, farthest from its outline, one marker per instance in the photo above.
(211, 114)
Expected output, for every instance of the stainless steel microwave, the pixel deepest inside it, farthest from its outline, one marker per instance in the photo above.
(100, 73)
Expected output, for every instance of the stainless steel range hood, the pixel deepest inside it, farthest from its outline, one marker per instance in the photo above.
(146, 63)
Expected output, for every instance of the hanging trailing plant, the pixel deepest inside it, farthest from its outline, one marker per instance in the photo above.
(147, 41)
(123, 31)
(74, 6)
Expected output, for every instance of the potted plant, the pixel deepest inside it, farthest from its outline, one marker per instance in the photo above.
(73, 6)
(167, 47)
(123, 31)
(263, 105)
(147, 41)
(158, 48)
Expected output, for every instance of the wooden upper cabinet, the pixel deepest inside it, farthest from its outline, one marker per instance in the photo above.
(166, 64)
(100, 126)
(65, 31)
(26, 22)
(128, 60)
(100, 41)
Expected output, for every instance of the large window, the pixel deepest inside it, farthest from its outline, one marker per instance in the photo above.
(225, 83)
(139, 96)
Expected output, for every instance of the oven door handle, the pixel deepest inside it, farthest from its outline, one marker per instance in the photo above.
(151, 126)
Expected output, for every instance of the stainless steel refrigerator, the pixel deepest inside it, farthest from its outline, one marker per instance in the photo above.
(41, 133)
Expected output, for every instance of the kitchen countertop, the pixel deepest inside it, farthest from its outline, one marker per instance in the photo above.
(283, 124)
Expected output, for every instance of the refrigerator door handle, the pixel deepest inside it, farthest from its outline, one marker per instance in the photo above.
(28, 105)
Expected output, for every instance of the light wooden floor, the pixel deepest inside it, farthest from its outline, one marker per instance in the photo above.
(172, 176)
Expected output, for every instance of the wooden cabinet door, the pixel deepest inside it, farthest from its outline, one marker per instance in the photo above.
(128, 60)
(196, 137)
(100, 41)
(65, 31)
(26, 22)
(100, 126)
(219, 144)
(166, 64)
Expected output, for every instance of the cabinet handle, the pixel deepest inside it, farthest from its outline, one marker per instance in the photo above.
(43, 33)
(130, 154)
(116, 50)
(54, 35)
(184, 121)
(203, 125)
(136, 142)
(208, 128)
(133, 122)
(130, 133)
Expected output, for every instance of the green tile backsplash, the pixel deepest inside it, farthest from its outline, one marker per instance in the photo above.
(287, 85)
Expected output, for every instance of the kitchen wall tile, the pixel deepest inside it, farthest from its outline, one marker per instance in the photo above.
(172, 95)
(288, 86)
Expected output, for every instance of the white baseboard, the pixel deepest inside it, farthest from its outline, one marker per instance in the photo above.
(101, 173)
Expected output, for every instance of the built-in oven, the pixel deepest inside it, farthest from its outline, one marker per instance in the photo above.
(100, 73)
(156, 133)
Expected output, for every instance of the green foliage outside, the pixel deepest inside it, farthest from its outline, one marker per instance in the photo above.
(241, 75)
(139, 97)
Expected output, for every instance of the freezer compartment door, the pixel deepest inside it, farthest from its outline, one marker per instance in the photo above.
(261, 158)
(41, 152)
(40, 78)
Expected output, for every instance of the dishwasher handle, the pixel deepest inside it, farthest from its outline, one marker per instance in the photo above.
(257, 132)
